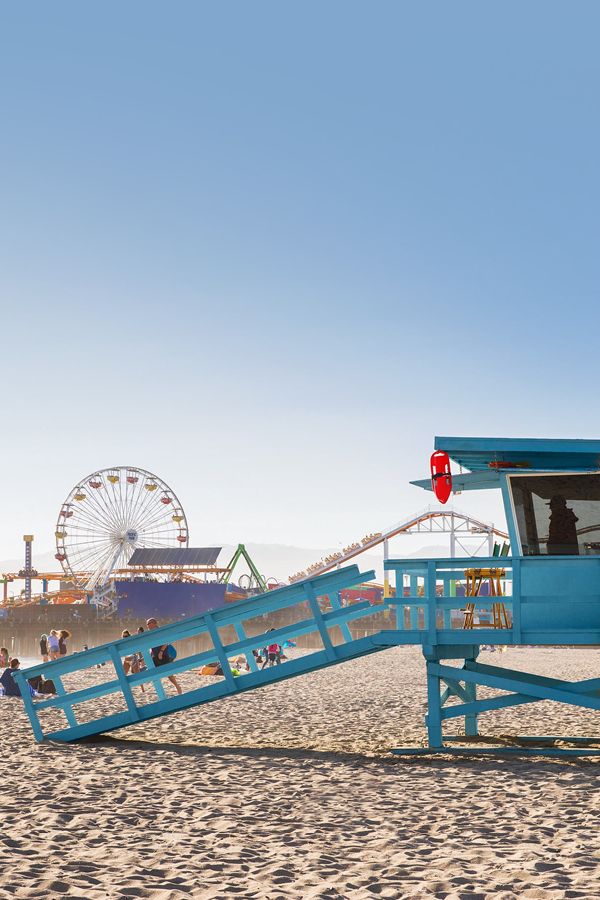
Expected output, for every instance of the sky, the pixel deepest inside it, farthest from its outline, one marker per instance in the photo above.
(269, 250)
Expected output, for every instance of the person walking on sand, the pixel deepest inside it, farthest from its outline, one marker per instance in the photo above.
(53, 646)
(44, 647)
(160, 656)
(4, 657)
(63, 636)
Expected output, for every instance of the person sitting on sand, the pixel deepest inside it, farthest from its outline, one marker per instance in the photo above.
(160, 656)
(4, 658)
(11, 688)
(272, 654)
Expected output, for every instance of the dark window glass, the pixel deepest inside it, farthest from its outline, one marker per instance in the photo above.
(558, 515)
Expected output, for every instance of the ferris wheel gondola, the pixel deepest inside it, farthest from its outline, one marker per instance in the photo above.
(111, 513)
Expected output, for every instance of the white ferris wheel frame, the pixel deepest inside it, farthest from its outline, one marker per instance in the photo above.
(103, 520)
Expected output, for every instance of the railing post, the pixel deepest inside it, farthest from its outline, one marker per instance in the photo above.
(400, 609)
(413, 611)
(29, 706)
(431, 601)
(156, 683)
(220, 651)
(433, 719)
(125, 686)
(516, 599)
(344, 627)
(318, 617)
(69, 711)
(447, 613)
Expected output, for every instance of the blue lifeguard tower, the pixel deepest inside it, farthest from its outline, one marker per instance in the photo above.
(544, 592)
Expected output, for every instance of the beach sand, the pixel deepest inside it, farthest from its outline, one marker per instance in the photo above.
(290, 791)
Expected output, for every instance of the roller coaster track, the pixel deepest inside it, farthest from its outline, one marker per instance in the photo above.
(430, 520)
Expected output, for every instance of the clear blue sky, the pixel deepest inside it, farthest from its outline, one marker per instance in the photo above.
(268, 250)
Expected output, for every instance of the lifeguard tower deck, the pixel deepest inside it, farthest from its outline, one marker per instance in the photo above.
(545, 592)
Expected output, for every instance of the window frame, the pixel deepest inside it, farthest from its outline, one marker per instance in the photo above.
(529, 474)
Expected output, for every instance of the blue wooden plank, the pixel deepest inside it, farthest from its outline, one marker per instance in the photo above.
(431, 600)
(492, 751)
(343, 626)
(221, 654)
(67, 706)
(124, 685)
(29, 705)
(320, 621)
(433, 719)
(151, 671)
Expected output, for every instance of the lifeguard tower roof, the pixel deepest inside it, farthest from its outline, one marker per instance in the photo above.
(537, 454)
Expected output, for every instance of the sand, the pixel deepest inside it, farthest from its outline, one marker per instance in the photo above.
(289, 791)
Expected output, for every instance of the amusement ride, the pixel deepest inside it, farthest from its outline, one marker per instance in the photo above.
(110, 514)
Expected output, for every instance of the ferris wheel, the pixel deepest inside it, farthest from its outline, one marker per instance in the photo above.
(108, 515)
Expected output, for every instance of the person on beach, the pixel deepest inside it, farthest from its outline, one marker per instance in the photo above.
(127, 662)
(562, 533)
(44, 647)
(160, 656)
(4, 657)
(63, 636)
(272, 654)
(10, 686)
(53, 645)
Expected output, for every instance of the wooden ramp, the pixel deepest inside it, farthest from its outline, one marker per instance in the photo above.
(116, 700)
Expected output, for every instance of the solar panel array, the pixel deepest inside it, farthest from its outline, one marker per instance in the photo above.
(175, 556)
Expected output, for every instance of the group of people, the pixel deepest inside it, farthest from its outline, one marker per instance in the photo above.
(54, 644)
(160, 655)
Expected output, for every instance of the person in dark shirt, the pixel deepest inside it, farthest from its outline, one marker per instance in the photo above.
(162, 655)
(63, 635)
(562, 533)
(11, 688)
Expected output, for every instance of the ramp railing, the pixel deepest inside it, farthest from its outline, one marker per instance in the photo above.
(100, 689)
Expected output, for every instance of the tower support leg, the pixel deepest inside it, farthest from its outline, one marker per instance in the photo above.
(433, 719)
(471, 729)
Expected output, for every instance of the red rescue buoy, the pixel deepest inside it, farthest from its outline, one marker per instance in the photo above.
(441, 477)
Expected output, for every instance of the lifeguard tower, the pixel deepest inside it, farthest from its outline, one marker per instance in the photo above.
(544, 592)
(549, 585)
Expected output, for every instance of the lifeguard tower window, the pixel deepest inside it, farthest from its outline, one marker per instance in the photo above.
(557, 515)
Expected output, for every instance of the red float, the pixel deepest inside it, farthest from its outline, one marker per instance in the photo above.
(441, 477)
